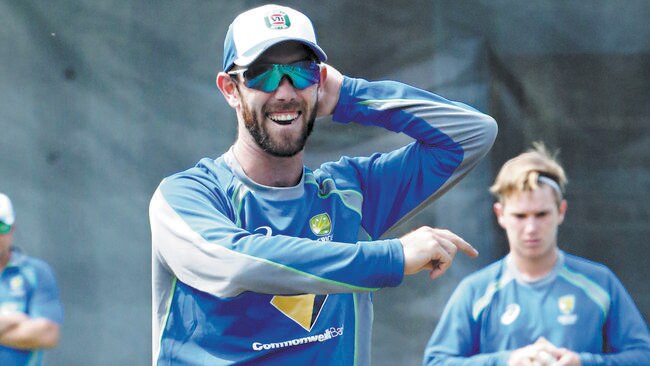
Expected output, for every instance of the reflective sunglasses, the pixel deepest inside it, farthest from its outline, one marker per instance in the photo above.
(267, 77)
(4, 228)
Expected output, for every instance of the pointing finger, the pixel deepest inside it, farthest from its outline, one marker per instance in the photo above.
(460, 243)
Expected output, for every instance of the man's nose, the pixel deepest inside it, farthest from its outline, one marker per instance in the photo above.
(531, 224)
(286, 90)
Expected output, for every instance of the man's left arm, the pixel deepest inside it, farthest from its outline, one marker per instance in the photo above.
(626, 332)
(27, 333)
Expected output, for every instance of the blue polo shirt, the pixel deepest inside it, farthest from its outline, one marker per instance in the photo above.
(580, 305)
(28, 285)
(251, 274)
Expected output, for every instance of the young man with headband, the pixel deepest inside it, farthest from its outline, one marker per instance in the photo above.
(538, 305)
(258, 259)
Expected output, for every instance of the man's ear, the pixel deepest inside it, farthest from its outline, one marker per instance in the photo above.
(323, 79)
(562, 211)
(228, 88)
(323, 74)
(498, 211)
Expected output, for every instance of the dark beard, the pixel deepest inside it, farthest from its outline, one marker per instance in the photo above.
(283, 149)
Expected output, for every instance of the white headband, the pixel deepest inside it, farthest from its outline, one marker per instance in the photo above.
(551, 183)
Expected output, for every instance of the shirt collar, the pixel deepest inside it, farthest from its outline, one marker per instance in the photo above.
(512, 268)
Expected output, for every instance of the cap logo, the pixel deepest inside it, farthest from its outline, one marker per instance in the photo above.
(277, 20)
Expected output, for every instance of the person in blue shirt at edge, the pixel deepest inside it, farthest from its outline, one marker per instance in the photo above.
(538, 305)
(259, 259)
(30, 310)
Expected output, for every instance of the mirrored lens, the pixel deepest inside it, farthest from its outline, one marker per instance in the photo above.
(4, 228)
(303, 74)
(266, 81)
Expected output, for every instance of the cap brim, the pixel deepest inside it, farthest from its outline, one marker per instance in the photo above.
(255, 52)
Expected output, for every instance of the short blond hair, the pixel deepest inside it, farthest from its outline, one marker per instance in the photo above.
(525, 171)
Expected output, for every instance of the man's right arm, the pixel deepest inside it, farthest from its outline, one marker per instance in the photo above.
(455, 340)
(196, 239)
(432, 249)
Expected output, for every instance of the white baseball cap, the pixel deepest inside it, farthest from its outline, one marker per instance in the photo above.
(254, 31)
(6, 214)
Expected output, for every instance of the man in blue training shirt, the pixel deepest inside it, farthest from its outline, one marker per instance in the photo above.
(259, 259)
(30, 310)
(538, 305)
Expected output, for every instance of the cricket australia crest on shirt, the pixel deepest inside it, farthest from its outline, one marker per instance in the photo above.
(17, 286)
(321, 226)
(567, 304)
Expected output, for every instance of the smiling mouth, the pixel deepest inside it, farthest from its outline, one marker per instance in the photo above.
(285, 118)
